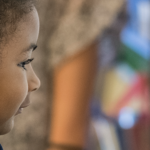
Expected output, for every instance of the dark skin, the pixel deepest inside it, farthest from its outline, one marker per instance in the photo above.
(17, 78)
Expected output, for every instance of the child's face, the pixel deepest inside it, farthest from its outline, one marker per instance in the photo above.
(18, 80)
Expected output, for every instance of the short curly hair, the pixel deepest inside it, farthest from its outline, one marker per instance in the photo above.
(11, 12)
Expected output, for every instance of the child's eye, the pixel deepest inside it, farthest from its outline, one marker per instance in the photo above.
(22, 64)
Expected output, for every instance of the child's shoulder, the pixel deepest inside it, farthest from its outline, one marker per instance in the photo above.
(1, 147)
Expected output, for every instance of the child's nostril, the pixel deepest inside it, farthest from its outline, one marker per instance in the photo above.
(35, 89)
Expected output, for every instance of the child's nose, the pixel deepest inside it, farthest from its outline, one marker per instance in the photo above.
(33, 82)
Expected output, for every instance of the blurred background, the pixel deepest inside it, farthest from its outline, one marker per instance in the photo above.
(119, 107)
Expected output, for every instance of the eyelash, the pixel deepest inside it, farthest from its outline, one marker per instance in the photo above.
(22, 64)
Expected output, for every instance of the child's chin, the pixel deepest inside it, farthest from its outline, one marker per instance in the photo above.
(7, 126)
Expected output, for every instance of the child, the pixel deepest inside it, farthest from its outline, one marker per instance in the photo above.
(19, 29)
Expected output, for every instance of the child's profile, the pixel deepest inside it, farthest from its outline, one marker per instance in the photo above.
(19, 29)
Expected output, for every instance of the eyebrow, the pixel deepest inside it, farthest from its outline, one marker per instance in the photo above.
(31, 47)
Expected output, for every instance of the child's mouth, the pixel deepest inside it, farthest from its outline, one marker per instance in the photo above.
(20, 110)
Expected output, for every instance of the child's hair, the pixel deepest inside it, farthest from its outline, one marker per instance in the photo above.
(11, 12)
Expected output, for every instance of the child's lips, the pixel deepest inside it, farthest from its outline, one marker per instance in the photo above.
(20, 110)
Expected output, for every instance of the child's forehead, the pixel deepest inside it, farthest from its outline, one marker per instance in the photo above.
(12, 13)
(25, 37)
(24, 27)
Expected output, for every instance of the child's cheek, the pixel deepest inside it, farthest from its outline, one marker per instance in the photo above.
(12, 96)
